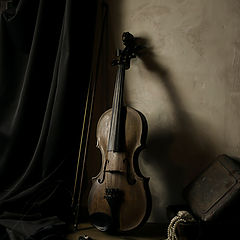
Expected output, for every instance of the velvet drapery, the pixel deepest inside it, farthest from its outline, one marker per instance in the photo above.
(45, 63)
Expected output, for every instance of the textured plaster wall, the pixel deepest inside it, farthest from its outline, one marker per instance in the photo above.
(186, 83)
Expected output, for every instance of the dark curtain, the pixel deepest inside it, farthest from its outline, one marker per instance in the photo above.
(45, 64)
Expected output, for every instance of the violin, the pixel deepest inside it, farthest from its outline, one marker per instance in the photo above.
(119, 198)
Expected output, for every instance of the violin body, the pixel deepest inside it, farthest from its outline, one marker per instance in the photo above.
(119, 198)
(120, 171)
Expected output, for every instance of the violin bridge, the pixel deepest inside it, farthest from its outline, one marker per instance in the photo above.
(115, 172)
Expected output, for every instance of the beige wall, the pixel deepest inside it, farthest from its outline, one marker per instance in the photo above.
(186, 83)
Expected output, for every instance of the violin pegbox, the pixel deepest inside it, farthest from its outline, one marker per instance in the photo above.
(125, 55)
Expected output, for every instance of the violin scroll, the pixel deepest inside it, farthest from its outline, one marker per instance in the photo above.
(129, 52)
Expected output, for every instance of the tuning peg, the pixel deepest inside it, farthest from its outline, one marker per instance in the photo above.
(133, 55)
(115, 62)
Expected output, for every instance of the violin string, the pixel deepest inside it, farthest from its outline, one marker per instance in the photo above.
(116, 113)
(119, 109)
(121, 76)
(120, 80)
(113, 121)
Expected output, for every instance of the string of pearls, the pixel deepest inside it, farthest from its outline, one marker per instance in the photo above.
(181, 217)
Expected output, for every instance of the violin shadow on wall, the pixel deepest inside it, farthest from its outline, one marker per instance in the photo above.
(173, 156)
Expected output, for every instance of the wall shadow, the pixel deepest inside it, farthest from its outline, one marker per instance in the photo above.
(178, 154)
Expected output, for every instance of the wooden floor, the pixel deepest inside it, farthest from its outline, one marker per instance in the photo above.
(150, 231)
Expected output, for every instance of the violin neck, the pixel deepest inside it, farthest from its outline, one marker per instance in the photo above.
(116, 141)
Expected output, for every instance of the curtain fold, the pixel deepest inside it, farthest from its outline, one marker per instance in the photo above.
(45, 64)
